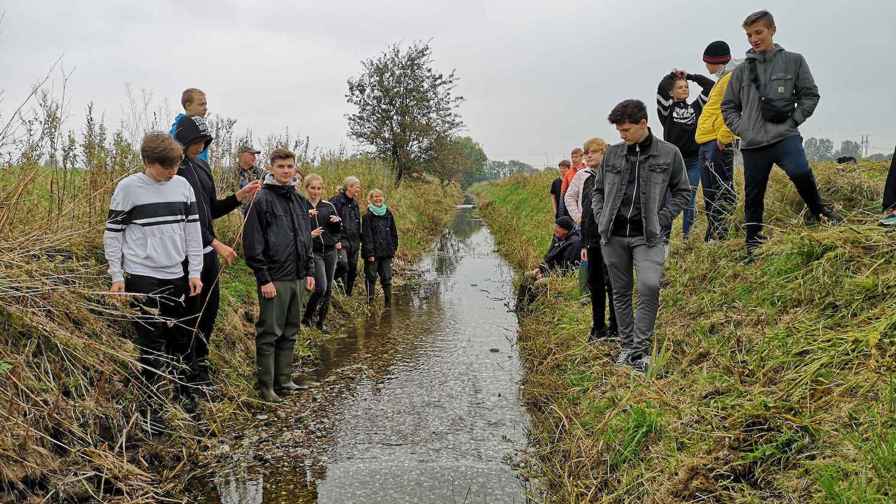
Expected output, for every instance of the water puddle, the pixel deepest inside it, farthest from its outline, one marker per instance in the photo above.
(420, 403)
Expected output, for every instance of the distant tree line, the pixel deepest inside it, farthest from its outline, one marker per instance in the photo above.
(822, 149)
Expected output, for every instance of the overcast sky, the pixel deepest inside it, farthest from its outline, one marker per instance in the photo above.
(538, 77)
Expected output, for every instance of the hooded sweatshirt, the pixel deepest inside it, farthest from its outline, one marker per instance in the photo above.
(679, 118)
(711, 125)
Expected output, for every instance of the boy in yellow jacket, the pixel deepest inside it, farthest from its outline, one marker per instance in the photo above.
(716, 155)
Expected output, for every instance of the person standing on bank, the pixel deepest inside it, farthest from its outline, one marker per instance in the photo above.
(716, 141)
(379, 243)
(202, 310)
(249, 171)
(349, 244)
(277, 241)
(631, 208)
(327, 224)
(578, 200)
(770, 95)
(557, 190)
(679, 119)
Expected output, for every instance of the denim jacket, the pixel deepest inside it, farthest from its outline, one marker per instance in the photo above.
(659, 170)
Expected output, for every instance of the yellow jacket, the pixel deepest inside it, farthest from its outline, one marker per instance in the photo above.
(711, 125)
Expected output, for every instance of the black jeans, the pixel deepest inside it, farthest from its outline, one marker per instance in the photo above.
(719, 195)
(319, 302)
(157, 334)
(201, 311)
(381, 267)
(346, 274)
(601, 291)
(790, 156)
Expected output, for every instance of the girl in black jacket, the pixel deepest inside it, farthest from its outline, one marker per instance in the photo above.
(327, 227)
(379, 241)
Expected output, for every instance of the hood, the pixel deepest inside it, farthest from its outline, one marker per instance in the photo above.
(763, 57)
(190, 130)
(270, 180)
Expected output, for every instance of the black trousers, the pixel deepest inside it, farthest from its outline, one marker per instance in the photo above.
(381, 267)
(890, 187)
(201, 311)
(347, 273)
(319, 302)
(159, 305)
(601, 291)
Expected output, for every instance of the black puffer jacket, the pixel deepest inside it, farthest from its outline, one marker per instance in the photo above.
(332, 230)
(348, 210)
(379, 236)
(277, 235)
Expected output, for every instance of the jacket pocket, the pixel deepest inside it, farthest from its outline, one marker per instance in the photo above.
(781, 85)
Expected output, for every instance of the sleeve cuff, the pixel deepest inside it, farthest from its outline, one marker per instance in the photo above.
(118, 276)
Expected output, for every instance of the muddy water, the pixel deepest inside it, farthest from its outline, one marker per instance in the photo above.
(420, 403)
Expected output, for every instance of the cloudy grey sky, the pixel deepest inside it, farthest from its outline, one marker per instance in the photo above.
(539, 77)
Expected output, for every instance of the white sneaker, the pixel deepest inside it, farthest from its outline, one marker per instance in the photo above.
(624, 358)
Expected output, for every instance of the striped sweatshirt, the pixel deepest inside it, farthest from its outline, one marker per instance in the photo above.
(152, 227)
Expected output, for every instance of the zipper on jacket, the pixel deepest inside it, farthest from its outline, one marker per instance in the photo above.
(628, 221)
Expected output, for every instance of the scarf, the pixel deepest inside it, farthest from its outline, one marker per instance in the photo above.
(379, 211)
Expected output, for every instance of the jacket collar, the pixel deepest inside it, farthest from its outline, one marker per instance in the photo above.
(764, 56)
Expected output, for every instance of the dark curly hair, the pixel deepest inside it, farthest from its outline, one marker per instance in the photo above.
(628, 111)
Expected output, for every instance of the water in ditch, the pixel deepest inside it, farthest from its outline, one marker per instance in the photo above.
(419, 403)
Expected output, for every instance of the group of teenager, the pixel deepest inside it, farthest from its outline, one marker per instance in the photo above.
(164, 255)
(615, 205)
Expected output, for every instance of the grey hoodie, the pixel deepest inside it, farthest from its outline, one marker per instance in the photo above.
(781, 73)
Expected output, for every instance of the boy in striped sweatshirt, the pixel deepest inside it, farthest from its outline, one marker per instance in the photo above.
(152, 228)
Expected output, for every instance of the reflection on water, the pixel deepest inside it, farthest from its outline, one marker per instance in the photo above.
(433, 413)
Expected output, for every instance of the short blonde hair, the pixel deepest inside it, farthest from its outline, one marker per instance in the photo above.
(312, 177)
(372, 193)
(187, 96)
(595, 144)
(350, 181)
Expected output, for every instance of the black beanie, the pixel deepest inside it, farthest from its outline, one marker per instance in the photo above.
(190, 130)
(717, 53)
(566, 222)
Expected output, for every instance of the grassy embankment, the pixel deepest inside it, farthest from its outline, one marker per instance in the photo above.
(68, 402)
(774, 381)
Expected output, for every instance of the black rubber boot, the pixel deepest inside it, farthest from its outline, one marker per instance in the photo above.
(387, 294)
(265, 374)
(283, 383)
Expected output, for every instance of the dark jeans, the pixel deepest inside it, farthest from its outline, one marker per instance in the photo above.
(601, 291)
(381, 267)
(346, 274)
(719, 194)
(694, 168)
(158, 336)
(201, 311)
(790, 156)
(319, 302)
(890, 187)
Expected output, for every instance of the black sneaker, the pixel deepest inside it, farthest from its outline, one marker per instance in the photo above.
(833, 217)
(597, 335)
(323, 328)
(640, 364)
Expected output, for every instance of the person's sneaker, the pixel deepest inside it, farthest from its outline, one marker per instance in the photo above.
(597, 334)
(640, 364)
(323, 328)
(832, 217)
(888, 220)
(612, 333)
(624, 358)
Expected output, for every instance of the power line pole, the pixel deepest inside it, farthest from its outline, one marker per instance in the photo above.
(866, 145)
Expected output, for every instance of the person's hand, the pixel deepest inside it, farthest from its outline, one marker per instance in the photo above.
(312, 212)
(309, 283)
(679, 73)
(584, 254)
(268, 290)
(371, 259)
(316, 232)
(720, 146)
(247, 193)
(538, 274)
(117, 287)
(195, 286)
(334, 219)
(228, 255)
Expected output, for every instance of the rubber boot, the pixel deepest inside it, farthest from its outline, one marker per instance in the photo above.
(283, 381)
(265, 374)
(387, 294)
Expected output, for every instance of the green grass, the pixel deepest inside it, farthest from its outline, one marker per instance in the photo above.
(772, 381)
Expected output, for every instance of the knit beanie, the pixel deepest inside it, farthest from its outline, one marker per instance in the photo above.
(717, 53)
(566, 223)
(190, 130)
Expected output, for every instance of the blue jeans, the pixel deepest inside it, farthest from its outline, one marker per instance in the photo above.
(694, 170)
(719, 196)
(790, 156)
